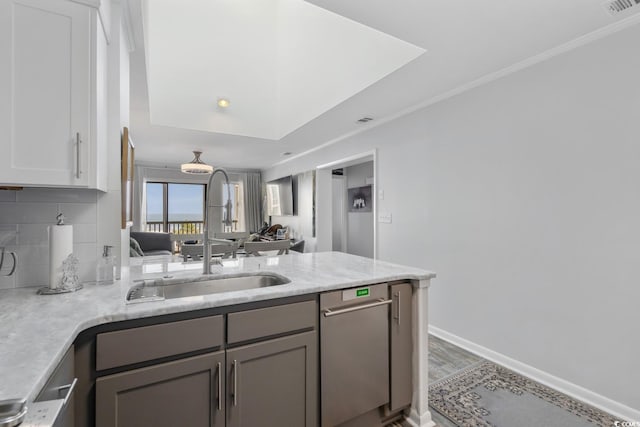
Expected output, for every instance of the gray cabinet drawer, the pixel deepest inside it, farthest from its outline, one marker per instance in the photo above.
(264, 322)
(120, 348)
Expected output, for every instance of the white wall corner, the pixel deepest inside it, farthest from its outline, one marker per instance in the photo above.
(91, 3)
(127, 26)
(104, 12)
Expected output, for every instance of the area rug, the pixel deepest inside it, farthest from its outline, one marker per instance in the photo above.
(489, 395)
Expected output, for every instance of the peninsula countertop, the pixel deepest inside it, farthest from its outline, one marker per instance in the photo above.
(35, 330)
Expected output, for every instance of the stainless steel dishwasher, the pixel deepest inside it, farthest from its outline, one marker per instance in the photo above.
(354, 339)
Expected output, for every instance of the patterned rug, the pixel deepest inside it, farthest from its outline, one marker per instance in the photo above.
(489, 395)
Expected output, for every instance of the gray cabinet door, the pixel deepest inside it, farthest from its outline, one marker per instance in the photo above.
(274, 383)
(401, 346)
(186, 392)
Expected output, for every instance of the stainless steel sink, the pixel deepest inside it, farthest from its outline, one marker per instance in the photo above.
(161, 289)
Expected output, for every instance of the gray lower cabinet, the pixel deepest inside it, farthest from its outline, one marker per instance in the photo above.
(263, 372)
(185, 392)
(401, 345)
(273, 383)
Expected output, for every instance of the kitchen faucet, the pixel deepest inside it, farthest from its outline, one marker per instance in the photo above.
(206, 243)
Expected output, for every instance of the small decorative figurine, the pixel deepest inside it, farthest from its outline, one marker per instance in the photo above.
(70, 279)
(68, 282)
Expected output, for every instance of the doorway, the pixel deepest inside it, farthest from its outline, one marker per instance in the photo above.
(338, 211)
(346, 202)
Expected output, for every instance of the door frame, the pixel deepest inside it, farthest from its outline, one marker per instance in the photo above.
(343, 213)
(324, 226)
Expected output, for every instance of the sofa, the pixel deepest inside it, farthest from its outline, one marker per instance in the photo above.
(153, 243)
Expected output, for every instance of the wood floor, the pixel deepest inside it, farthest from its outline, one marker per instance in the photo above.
(446, 359)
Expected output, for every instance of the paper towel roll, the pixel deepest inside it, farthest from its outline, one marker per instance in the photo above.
(60, 247)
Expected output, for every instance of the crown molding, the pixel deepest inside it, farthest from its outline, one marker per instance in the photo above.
(488, 78)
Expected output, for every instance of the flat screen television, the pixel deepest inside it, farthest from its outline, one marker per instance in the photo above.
(280, 200)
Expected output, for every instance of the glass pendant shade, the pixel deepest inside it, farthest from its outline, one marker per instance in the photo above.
(196, 166)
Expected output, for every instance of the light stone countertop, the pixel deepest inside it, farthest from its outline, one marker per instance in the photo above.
(35, 330)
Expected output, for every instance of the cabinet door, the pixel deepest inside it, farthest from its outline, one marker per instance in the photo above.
(186, 392)
(45, 67)
(401, 346)
(273, 383)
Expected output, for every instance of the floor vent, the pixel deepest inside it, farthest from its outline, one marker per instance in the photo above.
(614, 7)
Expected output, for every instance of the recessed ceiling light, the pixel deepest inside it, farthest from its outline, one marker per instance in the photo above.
(223, 102)
(287, 153)
(365, 120)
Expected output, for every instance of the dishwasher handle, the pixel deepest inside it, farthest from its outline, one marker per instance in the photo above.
(328, 312)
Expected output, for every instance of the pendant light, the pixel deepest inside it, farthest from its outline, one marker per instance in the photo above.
(196, 166)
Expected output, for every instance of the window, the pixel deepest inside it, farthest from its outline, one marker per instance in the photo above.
(175, 208)
(273, 197)
(237, 209)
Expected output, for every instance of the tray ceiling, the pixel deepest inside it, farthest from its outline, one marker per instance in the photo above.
(281, 63)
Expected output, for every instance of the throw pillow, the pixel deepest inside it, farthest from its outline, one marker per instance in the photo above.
(134, 247)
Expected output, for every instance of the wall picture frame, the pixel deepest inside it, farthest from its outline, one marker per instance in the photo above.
(127, 171)
(359, 199)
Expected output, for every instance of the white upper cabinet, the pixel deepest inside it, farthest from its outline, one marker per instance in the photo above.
(52, 91)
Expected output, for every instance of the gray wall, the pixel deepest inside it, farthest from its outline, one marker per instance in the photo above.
(359, 224)
(523, 195)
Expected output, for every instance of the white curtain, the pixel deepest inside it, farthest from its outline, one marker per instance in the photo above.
(139, 201)
(253, 201)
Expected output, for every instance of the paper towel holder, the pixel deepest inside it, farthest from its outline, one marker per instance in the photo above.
(69, 281)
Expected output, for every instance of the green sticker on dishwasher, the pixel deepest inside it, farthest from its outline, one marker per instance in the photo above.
(362, 292)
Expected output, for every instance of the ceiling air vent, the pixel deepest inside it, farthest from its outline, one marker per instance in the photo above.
(368, 119)
(616, 6)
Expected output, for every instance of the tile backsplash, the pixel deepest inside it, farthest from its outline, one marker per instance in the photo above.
(28, 213)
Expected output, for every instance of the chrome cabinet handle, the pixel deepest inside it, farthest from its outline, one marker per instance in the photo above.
(69, 388)
(329, 313)
(234, 390)
(397, 316)
(219, 386)
(78, 142)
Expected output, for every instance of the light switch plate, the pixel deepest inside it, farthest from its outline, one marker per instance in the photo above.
(384, 217)
(381, 195)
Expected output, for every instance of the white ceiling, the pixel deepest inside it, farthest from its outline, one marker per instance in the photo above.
(282, 63)
(465, 41)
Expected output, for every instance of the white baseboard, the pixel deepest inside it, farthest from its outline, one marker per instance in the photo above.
(580, 393)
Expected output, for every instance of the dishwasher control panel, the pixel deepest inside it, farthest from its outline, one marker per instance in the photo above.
(351, 294)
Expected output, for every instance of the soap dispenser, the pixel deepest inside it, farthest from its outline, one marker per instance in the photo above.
(106, 271)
